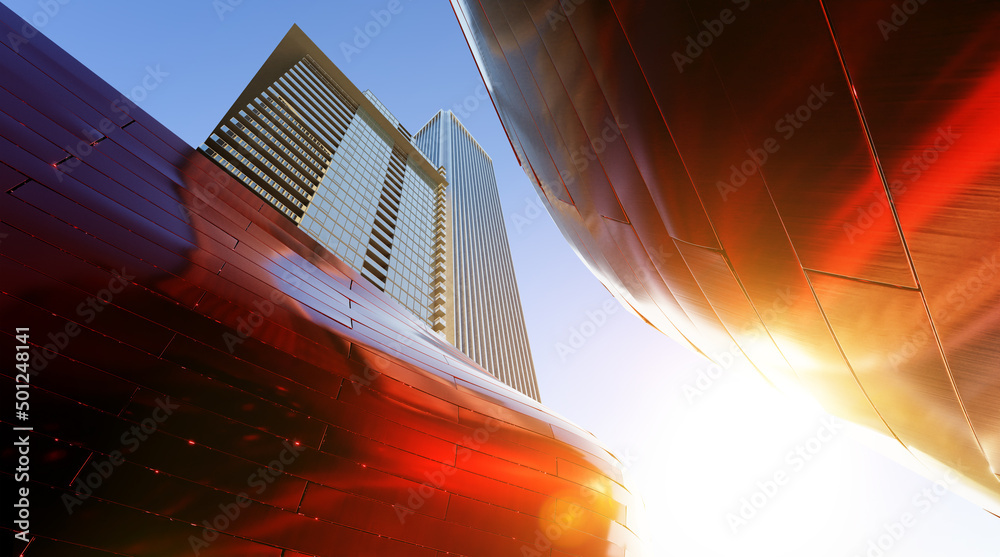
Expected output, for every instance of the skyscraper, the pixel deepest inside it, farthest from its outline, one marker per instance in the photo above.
(336, 162)
(487, 321)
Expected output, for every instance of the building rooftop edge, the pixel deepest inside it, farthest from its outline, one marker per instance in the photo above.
(296, 45)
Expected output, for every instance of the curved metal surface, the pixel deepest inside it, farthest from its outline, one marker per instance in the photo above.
(814, 181)
(207, 380)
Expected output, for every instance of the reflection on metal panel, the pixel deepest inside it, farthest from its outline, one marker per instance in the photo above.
(910, 385)
(785, 147)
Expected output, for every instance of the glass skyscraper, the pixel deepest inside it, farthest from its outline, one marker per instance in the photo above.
(487, 321)
(337, 163)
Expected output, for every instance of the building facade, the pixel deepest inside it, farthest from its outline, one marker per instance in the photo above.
(336, 162)
(486, 318)
(807, 194)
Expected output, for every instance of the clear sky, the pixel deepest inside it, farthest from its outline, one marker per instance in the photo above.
(814, 488)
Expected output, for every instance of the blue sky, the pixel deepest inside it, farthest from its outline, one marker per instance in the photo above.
(693, 461)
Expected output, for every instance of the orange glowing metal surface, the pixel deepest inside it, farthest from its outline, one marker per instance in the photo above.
(815, 181)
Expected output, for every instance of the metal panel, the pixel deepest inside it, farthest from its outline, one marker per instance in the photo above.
(843, 141)
(897, 358)
(939, 155)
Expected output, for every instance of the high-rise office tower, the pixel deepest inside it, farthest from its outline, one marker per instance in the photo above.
(337, 163)
(487, 322)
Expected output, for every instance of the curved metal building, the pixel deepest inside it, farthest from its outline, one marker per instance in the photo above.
(814, 183)
(203, 378)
